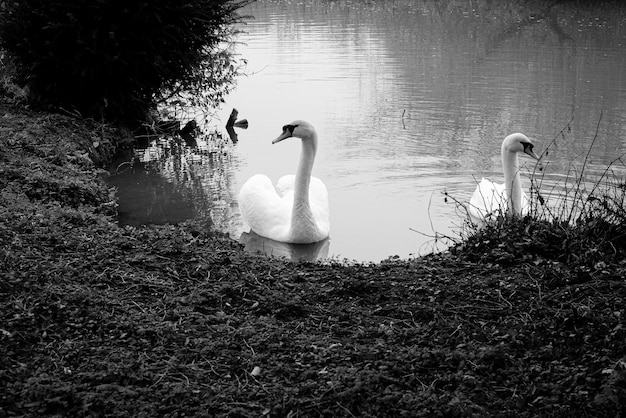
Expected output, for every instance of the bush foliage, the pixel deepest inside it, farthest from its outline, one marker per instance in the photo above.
(119, 59)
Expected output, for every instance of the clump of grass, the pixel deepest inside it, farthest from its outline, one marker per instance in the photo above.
(580, 221)
(588, 208)
(581, 194)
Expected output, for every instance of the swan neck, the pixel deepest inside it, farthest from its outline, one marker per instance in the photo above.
(512, 182)
(305, 167)
(301, 212)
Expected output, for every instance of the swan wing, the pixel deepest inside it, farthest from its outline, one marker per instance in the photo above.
(318, 198)
(285, 184)
(267, 209)
(525, 204)
(488, 199)
(267, 213)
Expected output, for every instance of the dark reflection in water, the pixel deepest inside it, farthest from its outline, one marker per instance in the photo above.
(145, 197)
(295, 252)
(173, 179)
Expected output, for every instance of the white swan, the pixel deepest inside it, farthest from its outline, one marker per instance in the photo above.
(490, 198)
(297, 210)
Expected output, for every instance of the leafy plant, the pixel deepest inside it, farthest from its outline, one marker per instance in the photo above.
(120, 59)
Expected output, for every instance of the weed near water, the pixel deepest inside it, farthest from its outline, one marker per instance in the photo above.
(583, 193)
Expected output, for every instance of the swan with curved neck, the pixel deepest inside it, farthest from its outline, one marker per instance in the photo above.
(491, 198)
(296, 211)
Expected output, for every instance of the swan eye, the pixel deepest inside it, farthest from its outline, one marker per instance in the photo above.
(527, 146)
(289, 128)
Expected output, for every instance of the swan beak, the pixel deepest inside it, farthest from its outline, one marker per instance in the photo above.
(287, 132)
(282, 136)
(528, 150)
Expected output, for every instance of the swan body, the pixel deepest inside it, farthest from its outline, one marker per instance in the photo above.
(491, 198)
(296, 210)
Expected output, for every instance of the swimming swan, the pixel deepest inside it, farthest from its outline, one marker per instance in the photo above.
(296, 211)
(490, 197)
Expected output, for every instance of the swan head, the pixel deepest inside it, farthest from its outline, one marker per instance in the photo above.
(519, 143)
(297, 129)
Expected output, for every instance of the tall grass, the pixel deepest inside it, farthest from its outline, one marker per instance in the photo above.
(581, 194)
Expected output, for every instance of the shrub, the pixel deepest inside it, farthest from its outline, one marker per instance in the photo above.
(119, 59)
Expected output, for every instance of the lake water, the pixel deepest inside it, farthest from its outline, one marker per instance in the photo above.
(410, 99)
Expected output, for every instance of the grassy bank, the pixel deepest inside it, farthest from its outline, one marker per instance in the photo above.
(99, 320)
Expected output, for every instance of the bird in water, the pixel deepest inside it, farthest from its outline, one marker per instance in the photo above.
(491, 198)
(296, 210)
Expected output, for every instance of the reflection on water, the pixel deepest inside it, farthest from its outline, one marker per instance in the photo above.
(412, 99)
(295, 252)
(145, 197)
(170, 180)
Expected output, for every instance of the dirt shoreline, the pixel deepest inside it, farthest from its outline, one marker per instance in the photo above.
(102, 320)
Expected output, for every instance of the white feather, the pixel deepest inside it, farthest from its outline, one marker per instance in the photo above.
(490, 200)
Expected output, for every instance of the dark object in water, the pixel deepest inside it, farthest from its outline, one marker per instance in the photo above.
(189, 128)
(234, 123)
(243, 124)
(188, 133)
(232, 118)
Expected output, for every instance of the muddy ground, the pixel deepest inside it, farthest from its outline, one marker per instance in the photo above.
(102, 320)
